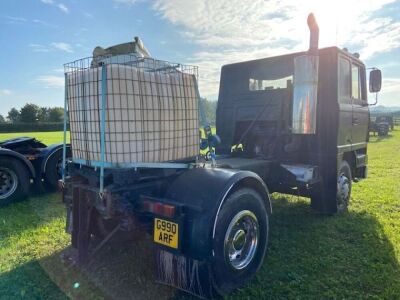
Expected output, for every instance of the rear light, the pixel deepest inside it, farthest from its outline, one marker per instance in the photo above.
(169, 210)
(147, 206)
(158, 208)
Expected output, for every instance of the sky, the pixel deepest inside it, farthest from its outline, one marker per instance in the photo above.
(38, 36)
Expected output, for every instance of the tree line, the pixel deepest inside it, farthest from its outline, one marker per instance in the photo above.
(32, 113)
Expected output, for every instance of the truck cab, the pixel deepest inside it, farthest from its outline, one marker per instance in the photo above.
(256, 109)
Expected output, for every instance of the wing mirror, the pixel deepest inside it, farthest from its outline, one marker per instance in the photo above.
(375, 81)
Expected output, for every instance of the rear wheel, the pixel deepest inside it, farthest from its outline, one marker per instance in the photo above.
(14, 181)
(241, 238)
(53, 170)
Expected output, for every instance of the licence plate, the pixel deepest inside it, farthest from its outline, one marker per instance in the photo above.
(166, 233)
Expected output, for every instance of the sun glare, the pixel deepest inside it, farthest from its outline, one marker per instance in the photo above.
(335, 18)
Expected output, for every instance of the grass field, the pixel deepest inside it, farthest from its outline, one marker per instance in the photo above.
(51, 137)
(352, 256)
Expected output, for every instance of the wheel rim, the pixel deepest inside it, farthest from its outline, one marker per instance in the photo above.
(343, 191)
(241, 240)
(8, 182)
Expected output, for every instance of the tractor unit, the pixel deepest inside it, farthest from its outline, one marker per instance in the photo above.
(293, 124)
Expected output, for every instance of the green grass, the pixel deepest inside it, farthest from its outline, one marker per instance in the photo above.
(352, 256)
(51, 137)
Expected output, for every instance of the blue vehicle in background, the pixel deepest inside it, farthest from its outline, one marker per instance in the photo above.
(27, 163)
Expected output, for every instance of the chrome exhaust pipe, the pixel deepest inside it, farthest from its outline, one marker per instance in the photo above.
(305, 85)
(314, 33)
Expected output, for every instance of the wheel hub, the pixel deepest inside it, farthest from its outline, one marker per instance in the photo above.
(241, 240)
(343, 190)
(8, 182)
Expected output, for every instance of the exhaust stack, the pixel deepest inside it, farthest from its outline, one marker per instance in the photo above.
(305, 85)
(314, 33)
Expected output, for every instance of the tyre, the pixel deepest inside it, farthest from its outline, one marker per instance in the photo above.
(343, 190)
(14, 181)
(335, 198)
(241, 238)
(53, 170)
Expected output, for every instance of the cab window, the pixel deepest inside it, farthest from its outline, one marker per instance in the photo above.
(344, 78)
(355, 82)
(270, 84)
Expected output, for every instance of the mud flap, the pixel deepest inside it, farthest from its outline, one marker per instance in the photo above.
(187, 274)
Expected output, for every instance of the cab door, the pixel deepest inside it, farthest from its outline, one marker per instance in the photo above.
(360, 112)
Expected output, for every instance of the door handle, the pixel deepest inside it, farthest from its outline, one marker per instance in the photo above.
(355, 121)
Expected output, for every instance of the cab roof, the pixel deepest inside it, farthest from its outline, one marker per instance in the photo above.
(291, 55)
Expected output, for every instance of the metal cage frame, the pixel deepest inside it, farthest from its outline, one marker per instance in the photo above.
(143, 63)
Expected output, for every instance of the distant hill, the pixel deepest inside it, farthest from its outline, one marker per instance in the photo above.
(380, 109)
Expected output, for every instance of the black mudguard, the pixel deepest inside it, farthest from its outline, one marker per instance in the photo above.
(203, 191)
(9, 153)
(48, 152)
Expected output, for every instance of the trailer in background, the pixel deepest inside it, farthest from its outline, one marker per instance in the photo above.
(25, 160)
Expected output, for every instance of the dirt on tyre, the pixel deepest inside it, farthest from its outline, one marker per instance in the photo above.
(14, 181)
(240, 242)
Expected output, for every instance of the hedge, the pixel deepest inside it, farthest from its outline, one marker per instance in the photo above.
(31, 127)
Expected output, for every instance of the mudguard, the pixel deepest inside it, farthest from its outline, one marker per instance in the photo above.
(20, 157)
(203, 191)
(48, 152)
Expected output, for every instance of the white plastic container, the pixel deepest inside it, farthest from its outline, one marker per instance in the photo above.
(151, 117)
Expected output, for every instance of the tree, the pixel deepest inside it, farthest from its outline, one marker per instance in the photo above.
(43, 114)
(56, 114)
(2, 120)
(29, 113)
(208, 111)
(14, 115)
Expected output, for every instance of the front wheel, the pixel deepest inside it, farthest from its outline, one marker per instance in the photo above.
(241, 238)
(333, 198)
(343, 191)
